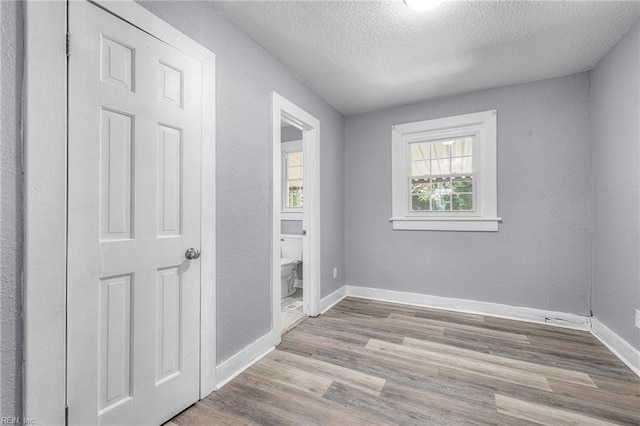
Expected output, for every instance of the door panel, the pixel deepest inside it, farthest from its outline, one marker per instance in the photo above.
(115, 171)
(135, 120)
(115, 336)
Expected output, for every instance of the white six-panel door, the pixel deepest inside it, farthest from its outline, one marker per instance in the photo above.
(135, 114)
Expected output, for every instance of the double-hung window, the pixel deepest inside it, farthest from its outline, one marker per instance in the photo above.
(444, 174)
(292, 180)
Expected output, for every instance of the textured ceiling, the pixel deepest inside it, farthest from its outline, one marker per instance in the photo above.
(366, 55)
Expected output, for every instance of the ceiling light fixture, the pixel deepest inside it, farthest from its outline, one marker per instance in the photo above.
(423, 5)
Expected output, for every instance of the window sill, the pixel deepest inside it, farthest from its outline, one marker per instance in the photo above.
(292, 216)
(480, 224)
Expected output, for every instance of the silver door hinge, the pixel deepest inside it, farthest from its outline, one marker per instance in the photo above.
(68, 44)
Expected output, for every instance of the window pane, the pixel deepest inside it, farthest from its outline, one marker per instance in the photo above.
(294, 194)
(441, 194)
(462, 165)
(420, 151)
(441, 149)
(295, 185)
(420, 168)
(295, 200)
(463, 194)
(460, 185)
(293, 176)
(462, 147)
(420, 186)
(441, 167)
(294, 159)
(438, 204)
(294, 172)
(420, 203)
(463, 202)
(421, 191)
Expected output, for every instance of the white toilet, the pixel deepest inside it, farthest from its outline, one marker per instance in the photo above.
(290, 257)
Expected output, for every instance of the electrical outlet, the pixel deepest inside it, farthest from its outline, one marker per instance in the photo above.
(335, 274)
(638, 318)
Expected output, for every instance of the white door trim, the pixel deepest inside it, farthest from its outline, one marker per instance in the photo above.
(281, 108)
(45, 215)
(45, 198)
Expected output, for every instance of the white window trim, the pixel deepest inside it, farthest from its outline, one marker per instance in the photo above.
(483, 127)
(290, 213)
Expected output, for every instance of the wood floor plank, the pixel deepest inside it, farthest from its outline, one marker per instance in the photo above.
(411, 354)
(395, 412)
(543, 370)
(449, 408)
(302, 408)
(299, 379)
(417, 376)
(202, 413)
(542, 330)
(251, 403)
(629, 385)
(545, 415)
(576, 361)
(473, 330)
(449, 316)
(378, 364)
(357, 332)
(622, 409)
(569, 346)
(575, 399)
(394, 330)
(356, 379)
(395, 308)
(309, 343)
(361, 306)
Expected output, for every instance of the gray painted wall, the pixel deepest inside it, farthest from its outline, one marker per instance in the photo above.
(11, 47)
(615, 111)
(246, 74)
(541, 255)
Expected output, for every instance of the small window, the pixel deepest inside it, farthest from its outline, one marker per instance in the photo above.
(292, 180)
(444, 174)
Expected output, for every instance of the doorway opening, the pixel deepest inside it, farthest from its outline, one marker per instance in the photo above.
(295, 254)
(291, 227)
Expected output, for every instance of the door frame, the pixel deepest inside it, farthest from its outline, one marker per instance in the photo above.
(284, 110)
(45, 200)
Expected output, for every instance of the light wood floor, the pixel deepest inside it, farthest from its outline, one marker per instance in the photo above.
(366, 362)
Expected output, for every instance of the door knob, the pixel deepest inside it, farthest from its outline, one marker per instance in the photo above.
(192, 253)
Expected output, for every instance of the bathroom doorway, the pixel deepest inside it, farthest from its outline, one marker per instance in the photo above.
(291, 227)
(295, 210)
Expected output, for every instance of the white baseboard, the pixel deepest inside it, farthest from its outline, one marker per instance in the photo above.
(328, 302)
(540, 316)
(616, 344)
(228, 369)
